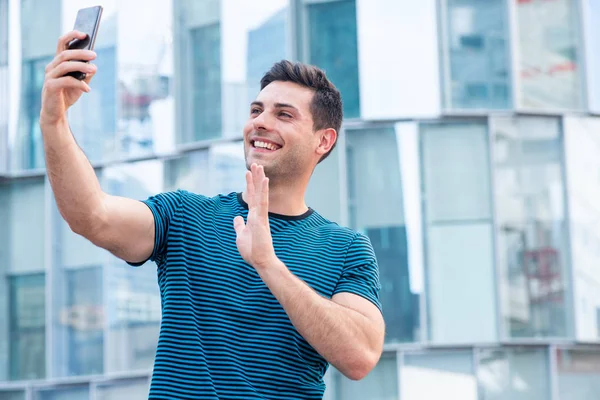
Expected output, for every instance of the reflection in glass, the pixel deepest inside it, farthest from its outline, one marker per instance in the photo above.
(40, 29)
(478, 54)
(549, 54)
(532, 236)
(459, 233)
(132, 301)
(223, 49)
(27, 323)
(220, 170)
(582, 146)
(380, 384)
(72, 393)
(514, 374)
(12, 395)
(452, 372)
(145, 74)
(333, 47)
(377, 209)
(578, 374)
(127, 390)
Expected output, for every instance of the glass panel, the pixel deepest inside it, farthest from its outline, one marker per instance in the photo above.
(72, 393)
(133, 302)
(126, 390)
(459, 235)
(531, 229)
(578, 374)
(221, 169)
(549, 54)
(582, 144)
(478, 54)
(23, 225)
(380, 384)
(222, 50)
(375, 189)
(3, 32)
(514, 374)
(12, 395)
(333, 47)
(323, 192)
(4, 98)
(592, 41)
(27, 327)
(452, 372)
(40, 30)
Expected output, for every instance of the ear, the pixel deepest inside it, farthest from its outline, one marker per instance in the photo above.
(327, 138)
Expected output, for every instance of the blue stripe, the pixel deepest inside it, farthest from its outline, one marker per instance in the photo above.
(223, 333)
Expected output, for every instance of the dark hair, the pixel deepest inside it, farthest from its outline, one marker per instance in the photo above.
(326, 106)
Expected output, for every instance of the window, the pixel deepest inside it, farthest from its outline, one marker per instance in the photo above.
(3, 32)
(376, 200)
(220, 169)
(220, 58)
(332, 42)
(27, 327)
(578, 374)
(70, 393)
(514, 374)
(380, 384)
(458, 233)
(549, 53)
(531, 231)
(12, 395)
(132, 305)
(582, 143)
(125, 390)
(324, 189)
(591, 12)
(477, 52)
(452, 372)
(40, 30)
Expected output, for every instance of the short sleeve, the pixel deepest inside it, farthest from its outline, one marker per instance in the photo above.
(164, 207)
(360, 275)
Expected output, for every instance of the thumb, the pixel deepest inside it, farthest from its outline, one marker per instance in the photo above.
(238, 224)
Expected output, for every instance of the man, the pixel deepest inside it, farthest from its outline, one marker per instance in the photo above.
(259, 292)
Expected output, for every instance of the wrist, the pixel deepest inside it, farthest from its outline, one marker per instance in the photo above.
(274, 263)
(47, 121)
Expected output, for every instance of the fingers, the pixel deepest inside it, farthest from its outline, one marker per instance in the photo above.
(70, 55)
(260, 196)
(238, 224)
(66, 82)
(64, 40)
(71, 66)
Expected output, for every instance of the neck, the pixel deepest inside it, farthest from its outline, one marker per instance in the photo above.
(285, 199)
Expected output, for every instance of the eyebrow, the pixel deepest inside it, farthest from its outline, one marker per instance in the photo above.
(277, 105)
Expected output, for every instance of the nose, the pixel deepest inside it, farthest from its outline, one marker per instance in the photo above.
(262, 122)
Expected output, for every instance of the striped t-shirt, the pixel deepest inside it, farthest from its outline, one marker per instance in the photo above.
(223, 334)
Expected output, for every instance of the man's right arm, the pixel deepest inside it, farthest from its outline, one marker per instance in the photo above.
(125, 227)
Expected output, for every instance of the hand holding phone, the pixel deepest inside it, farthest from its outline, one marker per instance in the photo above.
(87, 21)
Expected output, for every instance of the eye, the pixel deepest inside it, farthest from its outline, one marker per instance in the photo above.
(254, 110)
(285, 115)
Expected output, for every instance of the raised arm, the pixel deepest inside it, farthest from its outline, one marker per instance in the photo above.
(125, 227)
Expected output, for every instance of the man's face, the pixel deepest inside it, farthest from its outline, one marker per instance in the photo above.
(279, 132)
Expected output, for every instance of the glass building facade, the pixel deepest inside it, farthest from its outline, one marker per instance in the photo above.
(468, 155)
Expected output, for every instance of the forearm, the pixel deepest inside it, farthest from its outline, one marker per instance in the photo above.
(344, 337)
(78, 194)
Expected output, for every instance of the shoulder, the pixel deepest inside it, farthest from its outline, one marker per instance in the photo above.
(346, 239)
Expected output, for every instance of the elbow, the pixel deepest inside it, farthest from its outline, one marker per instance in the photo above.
(362, 365)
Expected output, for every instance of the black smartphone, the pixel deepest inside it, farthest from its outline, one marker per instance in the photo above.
(87, 21)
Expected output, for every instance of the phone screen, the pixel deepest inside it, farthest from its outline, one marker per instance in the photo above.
(86, 22)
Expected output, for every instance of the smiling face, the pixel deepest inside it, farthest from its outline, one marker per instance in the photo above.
(279, 133)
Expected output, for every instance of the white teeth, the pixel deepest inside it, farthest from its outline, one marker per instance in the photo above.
(264, 145)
